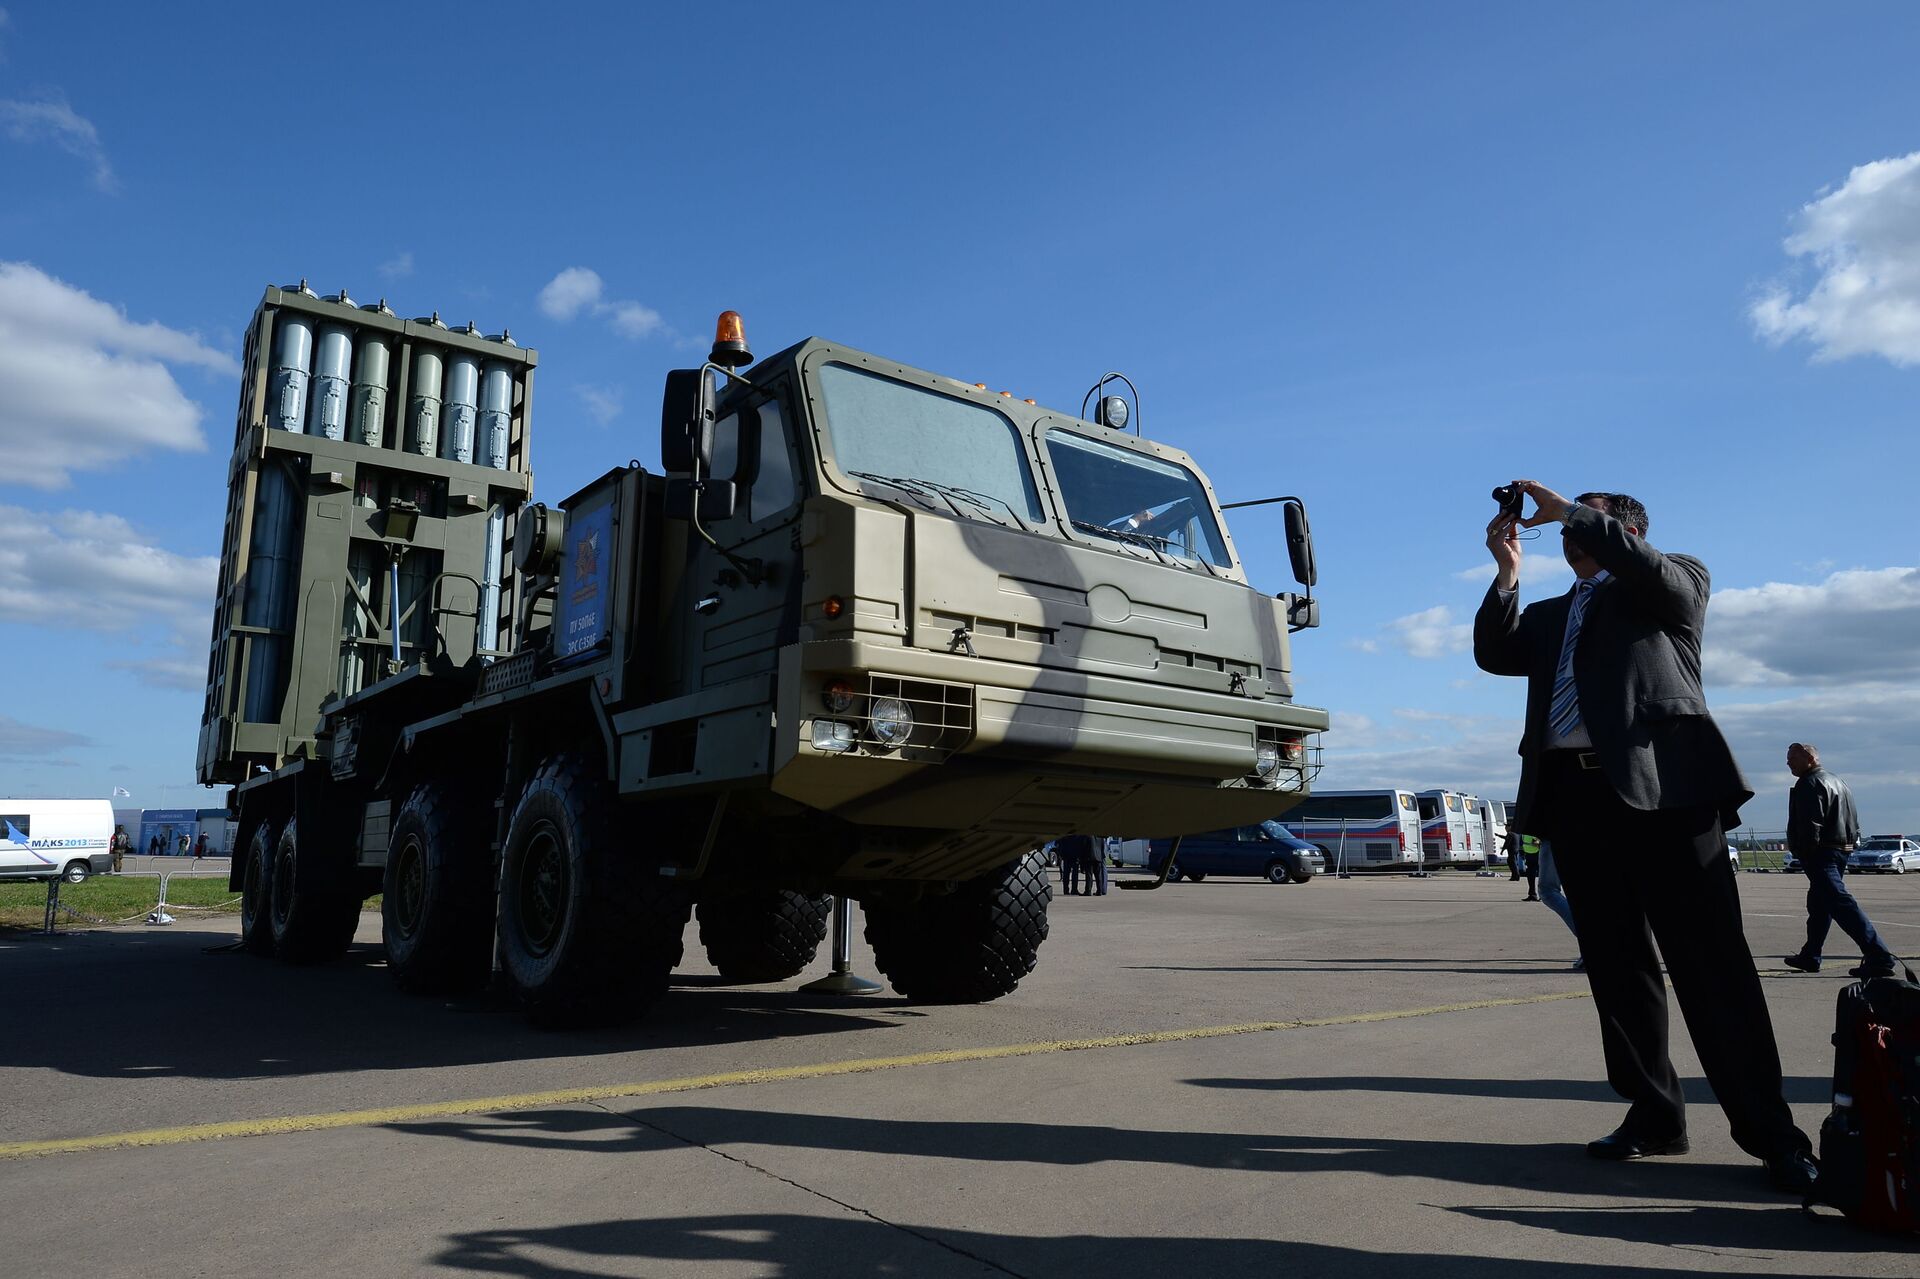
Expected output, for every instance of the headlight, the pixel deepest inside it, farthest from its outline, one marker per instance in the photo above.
(832, 735)
(890, 721)
(1266, 758)
(838, 695)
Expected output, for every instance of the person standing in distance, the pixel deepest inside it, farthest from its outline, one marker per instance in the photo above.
(1822, 829)
(1625, 772)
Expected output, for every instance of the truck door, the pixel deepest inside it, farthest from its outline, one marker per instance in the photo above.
(737, 612)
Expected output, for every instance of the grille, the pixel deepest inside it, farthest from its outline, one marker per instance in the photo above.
(509, 672)
(942, 715)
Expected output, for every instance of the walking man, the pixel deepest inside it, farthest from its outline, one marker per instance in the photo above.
(1822, 829)
(118, 846)
(1623, 769)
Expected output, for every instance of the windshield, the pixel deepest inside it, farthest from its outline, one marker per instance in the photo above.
(944, 451)
(1881, 846)
(1131, 497)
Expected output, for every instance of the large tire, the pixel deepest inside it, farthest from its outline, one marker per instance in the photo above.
(76, 872)
(589, 931)
(969, 946)
(436, 905)
(315, 906)
(767, 935)
(256, 890)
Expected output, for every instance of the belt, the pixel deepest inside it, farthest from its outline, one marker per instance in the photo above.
(1588, 760)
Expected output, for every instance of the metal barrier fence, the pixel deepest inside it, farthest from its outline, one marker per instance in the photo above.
(1759, 850)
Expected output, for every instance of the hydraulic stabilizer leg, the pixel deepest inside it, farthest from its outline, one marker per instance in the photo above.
(841, 981)
(1159, 879)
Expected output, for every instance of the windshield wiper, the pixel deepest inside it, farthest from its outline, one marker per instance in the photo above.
(946, 492)
(1129, 537)
(1160, 546)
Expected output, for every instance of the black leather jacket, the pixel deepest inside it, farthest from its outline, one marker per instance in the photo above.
(1820, 814)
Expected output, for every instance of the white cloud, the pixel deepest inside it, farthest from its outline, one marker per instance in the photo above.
(567, 293)
(85, 570)
(1863, 240)
(82, 386)
(50, 119)
(630, 319)
(1430, 633)
(603, 402)
(579, 289)
(397, 267)
(1857, 626)
(1868, 734)
(30, 742)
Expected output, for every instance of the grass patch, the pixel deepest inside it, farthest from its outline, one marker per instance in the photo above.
(121, 898)
(112, 898)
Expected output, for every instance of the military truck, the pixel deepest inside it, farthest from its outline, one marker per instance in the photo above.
(872, 633)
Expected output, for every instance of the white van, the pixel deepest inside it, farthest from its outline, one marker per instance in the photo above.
(42, 838)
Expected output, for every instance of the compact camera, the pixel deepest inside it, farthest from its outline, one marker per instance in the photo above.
(1510, 498)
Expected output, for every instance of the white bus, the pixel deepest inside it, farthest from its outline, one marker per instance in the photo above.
(42, 838)
(1360, 829)
(1493, 828)
(1446, 831)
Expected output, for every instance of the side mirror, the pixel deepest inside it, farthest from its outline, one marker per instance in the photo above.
(1303, 612)
(686, 422)
(1300, 545)
(715, 500)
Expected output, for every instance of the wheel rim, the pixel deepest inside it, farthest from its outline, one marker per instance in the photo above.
(283, 883)
(250, 893)
(409, 887)
(540, 891)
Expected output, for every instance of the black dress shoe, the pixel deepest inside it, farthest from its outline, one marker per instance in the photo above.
(1865, 971)
(1797, 1173)
(1624, 1144)
(1802, 961)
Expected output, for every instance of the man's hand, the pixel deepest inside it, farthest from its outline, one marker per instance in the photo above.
(1503, 539)
(1548, 506)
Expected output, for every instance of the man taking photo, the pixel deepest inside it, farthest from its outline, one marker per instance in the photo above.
(1624, 771)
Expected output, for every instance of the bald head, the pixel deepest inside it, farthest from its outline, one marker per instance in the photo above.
(1802, 758)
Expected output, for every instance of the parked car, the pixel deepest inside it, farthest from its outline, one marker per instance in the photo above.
(1733, 856)
(1240, 850)
(1885, 853)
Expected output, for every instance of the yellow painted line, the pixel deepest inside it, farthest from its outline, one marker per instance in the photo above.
(727, 1079)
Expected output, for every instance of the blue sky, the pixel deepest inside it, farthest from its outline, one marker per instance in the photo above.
(1383, 256)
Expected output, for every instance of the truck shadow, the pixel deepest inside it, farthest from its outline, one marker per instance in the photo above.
(1799, 1089)
(144, 1005)
(792, 1246)
(1670, 1211)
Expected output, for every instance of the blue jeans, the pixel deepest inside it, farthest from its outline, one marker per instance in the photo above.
(1829, 902)
(1550, 891)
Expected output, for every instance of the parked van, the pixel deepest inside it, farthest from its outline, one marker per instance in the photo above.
(1360, 829)
(42, 838)
(1446, 831)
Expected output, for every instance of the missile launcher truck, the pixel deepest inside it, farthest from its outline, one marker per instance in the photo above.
(873, 633)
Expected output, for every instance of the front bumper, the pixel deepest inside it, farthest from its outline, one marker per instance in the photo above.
(1038, 752)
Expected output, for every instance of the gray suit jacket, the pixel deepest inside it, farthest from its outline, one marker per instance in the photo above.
(1637, 669)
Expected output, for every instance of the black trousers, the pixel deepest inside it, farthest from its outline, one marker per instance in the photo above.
(1634, 878)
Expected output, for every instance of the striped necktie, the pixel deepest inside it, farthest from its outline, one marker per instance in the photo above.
(1563, 712)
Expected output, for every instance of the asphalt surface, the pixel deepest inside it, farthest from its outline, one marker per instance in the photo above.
(1429, 1123)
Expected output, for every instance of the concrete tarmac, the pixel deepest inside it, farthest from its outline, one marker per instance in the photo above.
(1416, 1107)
